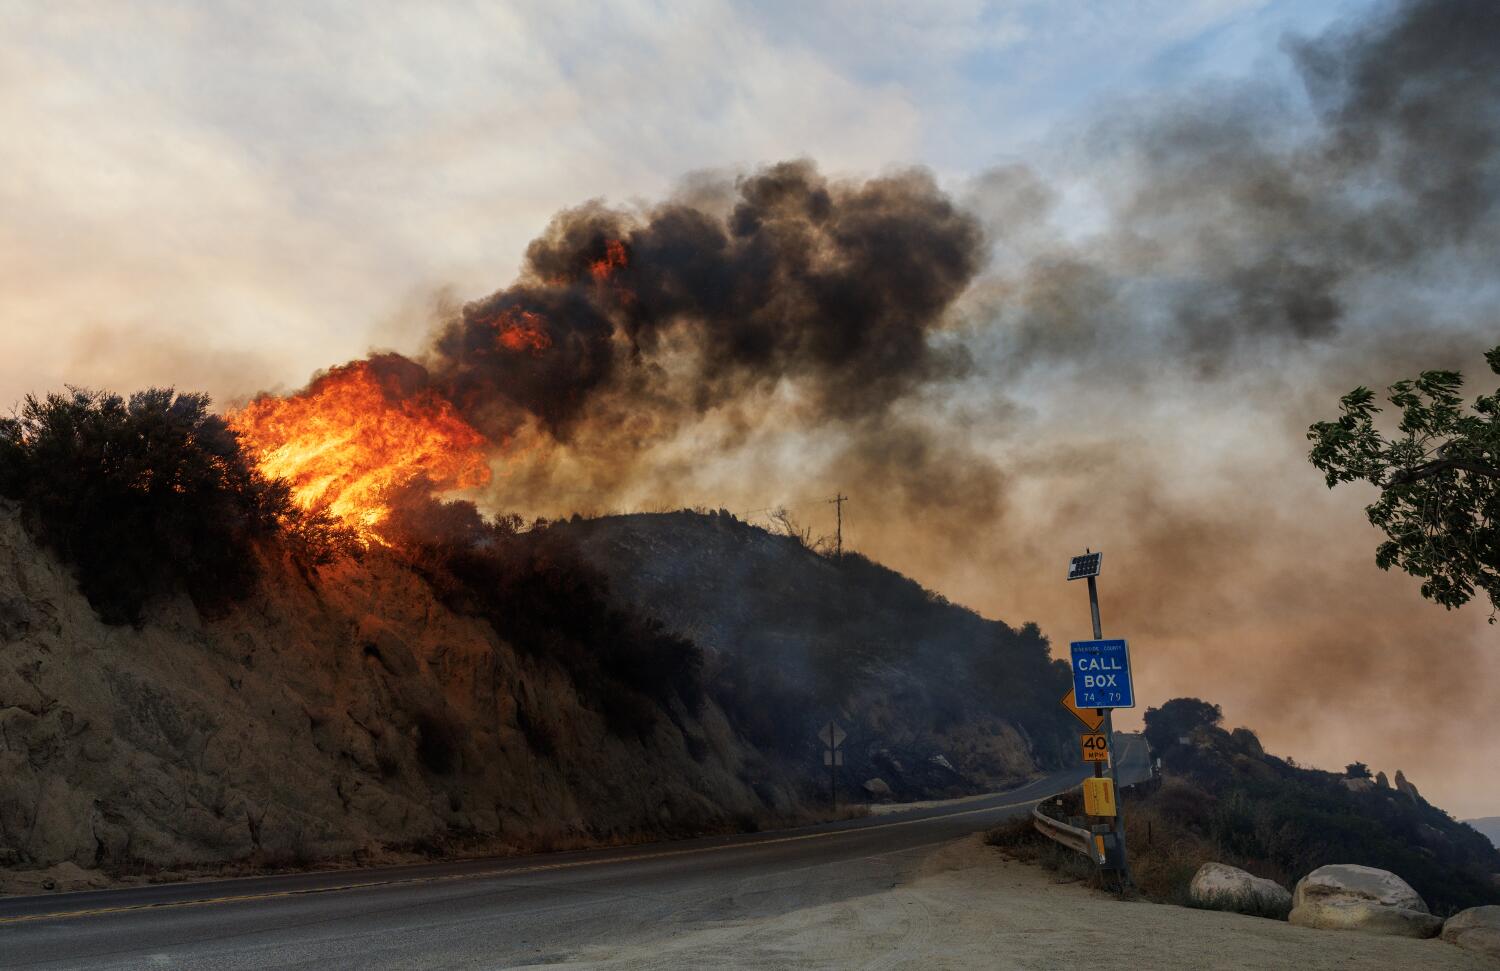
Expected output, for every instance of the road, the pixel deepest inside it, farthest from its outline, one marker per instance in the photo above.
(535, 910)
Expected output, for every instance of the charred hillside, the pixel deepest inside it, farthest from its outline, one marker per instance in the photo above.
(936, 698)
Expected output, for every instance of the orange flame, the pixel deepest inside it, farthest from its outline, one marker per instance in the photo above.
(346, 443)
(519, 330)
(614, 256)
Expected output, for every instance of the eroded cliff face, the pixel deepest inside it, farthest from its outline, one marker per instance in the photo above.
(332, 718)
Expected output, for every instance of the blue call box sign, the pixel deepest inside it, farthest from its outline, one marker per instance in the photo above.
(1101, 675)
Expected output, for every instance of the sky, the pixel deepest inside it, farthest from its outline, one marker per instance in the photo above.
(263, 195)
(207, 196)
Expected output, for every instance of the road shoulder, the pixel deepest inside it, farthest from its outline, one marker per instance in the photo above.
(967, 907)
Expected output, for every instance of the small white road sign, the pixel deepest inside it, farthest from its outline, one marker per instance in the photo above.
(832, 735)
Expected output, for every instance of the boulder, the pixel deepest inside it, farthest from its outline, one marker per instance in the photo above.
(1346, 896)
(1406, 788)
(1475, 929)
(1218, 886)
(877, 788)
(1247, 741)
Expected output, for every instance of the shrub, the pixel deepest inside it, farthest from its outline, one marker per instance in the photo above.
(140, 496)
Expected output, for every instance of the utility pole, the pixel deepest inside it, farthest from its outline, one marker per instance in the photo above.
(1109, 733)
(838, 501)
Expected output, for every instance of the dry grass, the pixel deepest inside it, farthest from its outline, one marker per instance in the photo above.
(1019, 840)
(1164, 855)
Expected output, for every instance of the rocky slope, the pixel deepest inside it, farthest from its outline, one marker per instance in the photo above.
(315, 720)
(352, 713)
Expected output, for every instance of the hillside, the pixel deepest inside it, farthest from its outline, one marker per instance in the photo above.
(1284, 820)
(795, 638)
(359, 710)
(336, 718)
(1489, 826)
(1221, 797)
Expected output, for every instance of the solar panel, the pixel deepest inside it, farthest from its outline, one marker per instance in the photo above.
(1084, 566)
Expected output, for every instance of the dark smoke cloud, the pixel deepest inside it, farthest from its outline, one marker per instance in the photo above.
(1417, 99)
(1234, 228)
(833, 286)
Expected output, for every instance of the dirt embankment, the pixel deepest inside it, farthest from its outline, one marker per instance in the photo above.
(336, 719)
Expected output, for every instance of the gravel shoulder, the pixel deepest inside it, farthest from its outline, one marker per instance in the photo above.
(966, 907)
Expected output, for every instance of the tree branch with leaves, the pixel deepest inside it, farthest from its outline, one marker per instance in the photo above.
(1438, 476)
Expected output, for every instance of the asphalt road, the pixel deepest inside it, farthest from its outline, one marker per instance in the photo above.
(497, 913)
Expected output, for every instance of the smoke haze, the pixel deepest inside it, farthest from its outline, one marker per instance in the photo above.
(1115, 339)
(1144, 388)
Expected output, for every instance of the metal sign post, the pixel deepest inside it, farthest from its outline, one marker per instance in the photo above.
(832, 736)
(1101, 679)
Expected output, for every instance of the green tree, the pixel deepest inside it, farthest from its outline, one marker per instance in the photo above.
(1178, 717)
(143, 496)
(1439, 479)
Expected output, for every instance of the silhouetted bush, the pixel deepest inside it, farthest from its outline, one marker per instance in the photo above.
(141, 496)
(1178, 718)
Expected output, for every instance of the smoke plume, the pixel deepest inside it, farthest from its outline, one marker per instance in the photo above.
(998, 389)
(831, 287)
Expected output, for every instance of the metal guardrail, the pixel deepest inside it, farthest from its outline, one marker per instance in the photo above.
(1097, 844)
(1074, 838)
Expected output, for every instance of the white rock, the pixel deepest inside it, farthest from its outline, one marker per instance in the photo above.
(1346, 896)
(1219, 886)
(877, 788)
(1475, 929)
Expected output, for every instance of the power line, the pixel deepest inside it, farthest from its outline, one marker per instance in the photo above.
(799, 504)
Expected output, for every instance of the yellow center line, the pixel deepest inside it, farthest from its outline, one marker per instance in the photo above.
(499, 871)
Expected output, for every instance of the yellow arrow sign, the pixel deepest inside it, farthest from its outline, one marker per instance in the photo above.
(1090, 717)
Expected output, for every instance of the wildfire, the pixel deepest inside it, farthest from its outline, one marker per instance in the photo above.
(519, 330)
(349, 440)
(614, 256)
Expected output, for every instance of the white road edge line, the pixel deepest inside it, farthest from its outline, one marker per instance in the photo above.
(500, 871)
